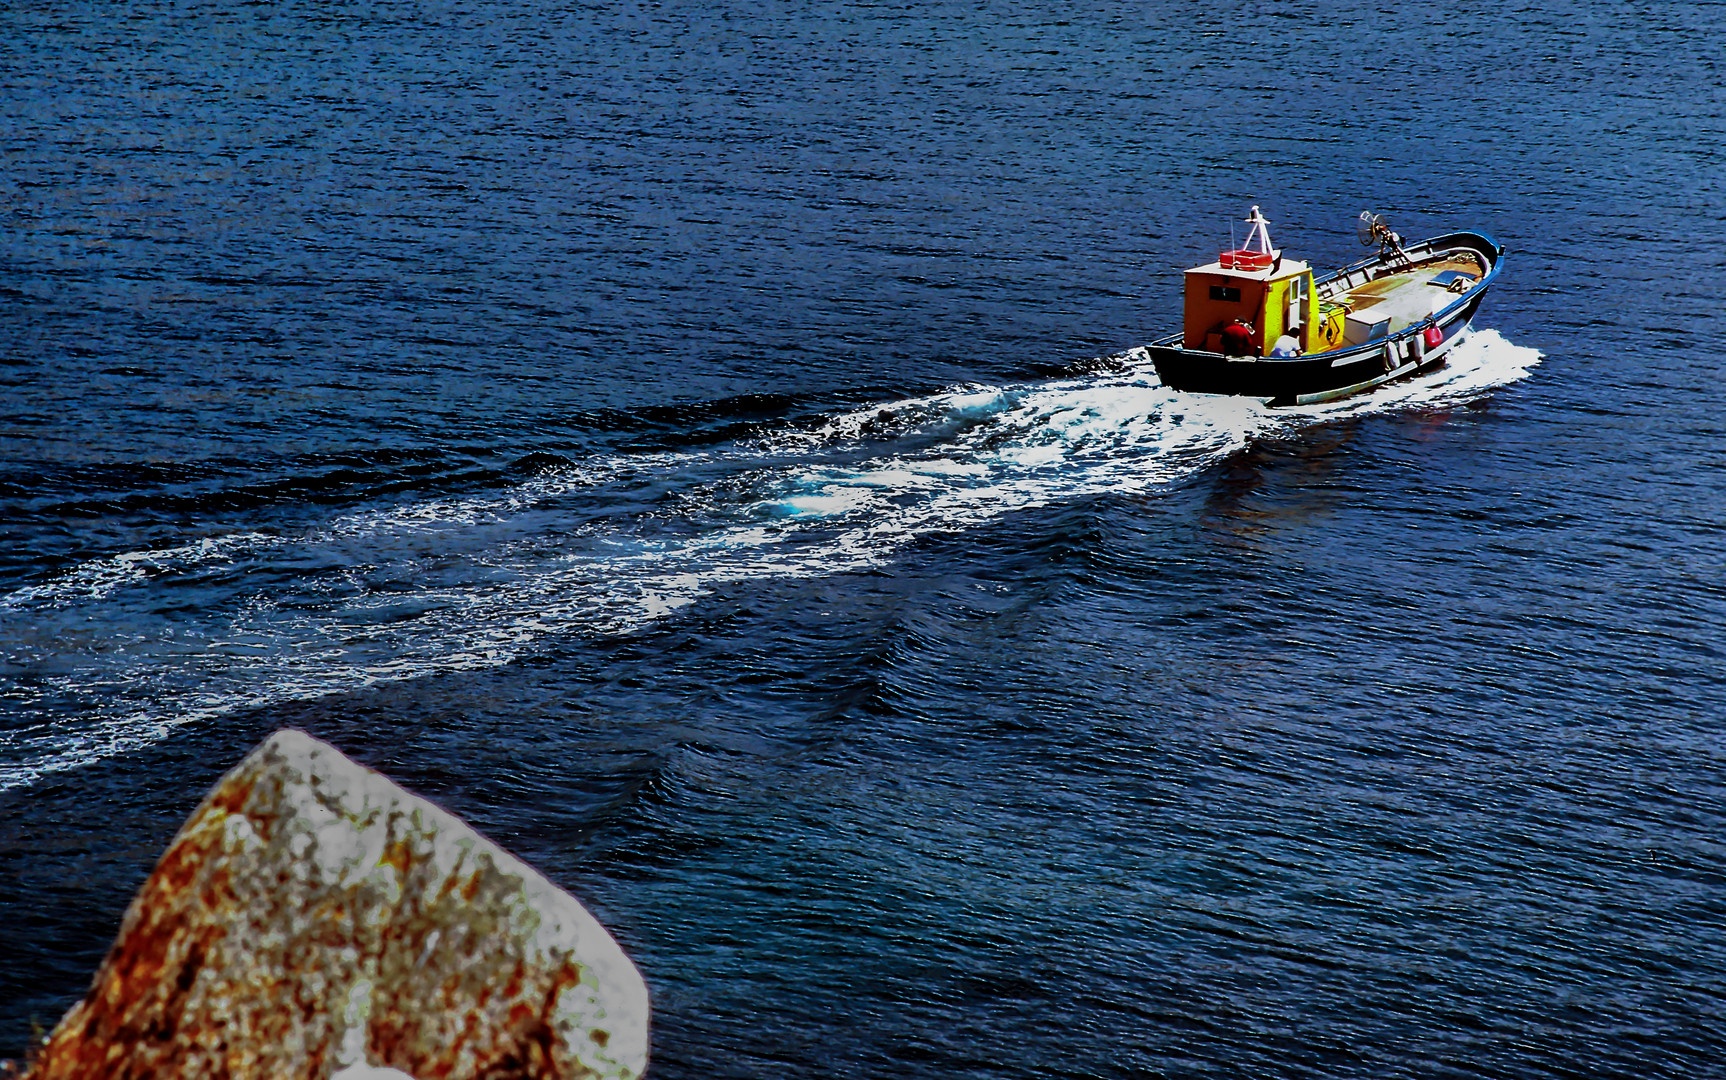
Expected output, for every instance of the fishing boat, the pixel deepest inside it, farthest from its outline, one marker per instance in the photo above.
(1258, 324)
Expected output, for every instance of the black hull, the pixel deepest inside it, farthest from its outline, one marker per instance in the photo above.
(1338, 372)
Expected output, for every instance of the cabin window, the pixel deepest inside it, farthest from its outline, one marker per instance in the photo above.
(1297, 294)
(1226, 293)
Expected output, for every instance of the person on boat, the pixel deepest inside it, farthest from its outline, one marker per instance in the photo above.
(1238, 338)
(1287, 345)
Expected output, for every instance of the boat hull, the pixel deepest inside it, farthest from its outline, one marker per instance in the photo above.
(1340, 372)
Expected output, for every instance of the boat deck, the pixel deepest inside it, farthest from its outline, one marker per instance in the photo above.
(1411, 295)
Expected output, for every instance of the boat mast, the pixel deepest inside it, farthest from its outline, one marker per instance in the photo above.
(1259, 232)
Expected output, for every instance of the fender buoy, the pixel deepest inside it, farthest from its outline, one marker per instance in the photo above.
(1434, 337)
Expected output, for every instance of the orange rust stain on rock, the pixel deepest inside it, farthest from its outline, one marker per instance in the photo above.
(218, 888)
(178, 866)
(232, 797)
(387, 1041)
(458, 1051)
(135, 1011)
(399, 855)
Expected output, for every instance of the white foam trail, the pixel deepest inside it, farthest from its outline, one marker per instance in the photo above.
(993, 451)
(98, 579)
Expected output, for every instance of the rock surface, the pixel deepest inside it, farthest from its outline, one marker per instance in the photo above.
(313, 919)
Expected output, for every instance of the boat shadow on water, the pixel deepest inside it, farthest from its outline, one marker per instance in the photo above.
(1273, 479)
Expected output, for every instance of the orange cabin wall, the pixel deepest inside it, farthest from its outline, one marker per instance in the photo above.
(1203, 316)
(1261, 303)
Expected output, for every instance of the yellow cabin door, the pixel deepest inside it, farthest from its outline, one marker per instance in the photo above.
(1295, 315)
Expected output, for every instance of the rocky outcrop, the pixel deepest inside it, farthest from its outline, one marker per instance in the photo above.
(314, 920)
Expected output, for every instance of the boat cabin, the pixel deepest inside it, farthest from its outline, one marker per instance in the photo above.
(1253, 285)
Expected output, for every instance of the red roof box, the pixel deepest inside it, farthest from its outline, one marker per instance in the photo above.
(1242, 259)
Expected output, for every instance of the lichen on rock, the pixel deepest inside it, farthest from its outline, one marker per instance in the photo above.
(312, 918)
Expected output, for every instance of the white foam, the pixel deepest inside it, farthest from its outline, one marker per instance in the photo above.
(1480, 362)
(1003, 450)
(98, 579)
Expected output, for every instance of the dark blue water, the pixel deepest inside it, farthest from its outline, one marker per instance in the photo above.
(705, 447)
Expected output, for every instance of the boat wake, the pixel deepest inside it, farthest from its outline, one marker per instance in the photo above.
(257, 617)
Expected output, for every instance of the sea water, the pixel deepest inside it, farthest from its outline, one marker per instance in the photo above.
(712, 451)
